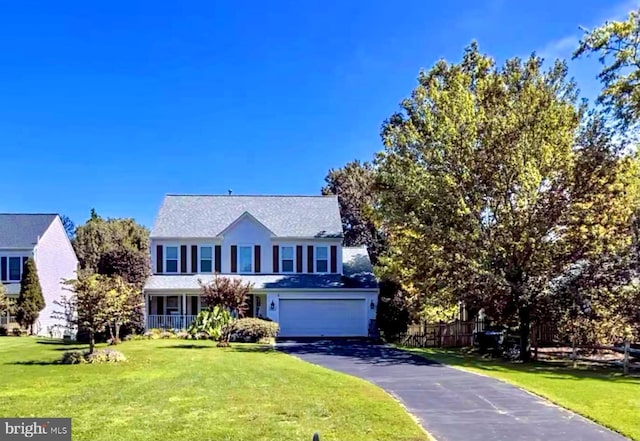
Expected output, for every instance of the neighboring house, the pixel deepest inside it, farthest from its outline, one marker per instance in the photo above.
(288, 247)
(43, 237)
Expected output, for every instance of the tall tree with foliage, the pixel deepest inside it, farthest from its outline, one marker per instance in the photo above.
(617, 44)
(99, 236)
(487, 192)
(354, 186)
(30, 300)
(100, 302)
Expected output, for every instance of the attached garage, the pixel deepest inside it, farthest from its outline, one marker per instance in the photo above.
(323, 318)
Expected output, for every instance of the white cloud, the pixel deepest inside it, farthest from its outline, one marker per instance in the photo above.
(561, 48)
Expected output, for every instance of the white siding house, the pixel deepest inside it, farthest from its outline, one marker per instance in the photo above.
(43, 237)
(288, 247)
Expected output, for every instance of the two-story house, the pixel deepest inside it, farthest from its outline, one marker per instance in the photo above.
(288, 247)
(43, 237)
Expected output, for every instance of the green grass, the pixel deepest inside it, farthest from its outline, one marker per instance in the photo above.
(169, 390)
(602, 395)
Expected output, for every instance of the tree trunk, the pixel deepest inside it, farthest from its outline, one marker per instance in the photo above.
(92, 342)
(525, 333)
(116, 337)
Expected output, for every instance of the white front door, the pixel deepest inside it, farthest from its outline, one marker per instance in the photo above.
(323, 318)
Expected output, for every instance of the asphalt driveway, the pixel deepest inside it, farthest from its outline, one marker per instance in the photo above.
(451, 404)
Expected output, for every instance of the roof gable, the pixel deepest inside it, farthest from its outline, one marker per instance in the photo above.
(194, 216)
(243, 216)
(23, 230)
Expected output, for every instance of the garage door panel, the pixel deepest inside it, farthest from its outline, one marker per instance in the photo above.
(322, 318)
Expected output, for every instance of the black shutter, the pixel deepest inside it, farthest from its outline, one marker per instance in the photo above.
(218, 259)
(310, 259)
(334, 259)
(234, 258)
(194, 259)
(299, 259)
(3, 262)
(256, 258)
(159, 259)
(183, 258)
(276, 258)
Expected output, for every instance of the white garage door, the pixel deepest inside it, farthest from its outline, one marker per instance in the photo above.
(323, 318)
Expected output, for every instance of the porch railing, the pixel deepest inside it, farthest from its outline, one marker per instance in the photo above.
(169, 321)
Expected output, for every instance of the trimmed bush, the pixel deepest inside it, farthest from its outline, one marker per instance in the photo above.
(100, 356)
(253, 330)
(17, 332)
(73, 357)
(105, 356)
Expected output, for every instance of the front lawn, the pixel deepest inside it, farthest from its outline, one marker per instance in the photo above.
(183, 390)
(603, 395)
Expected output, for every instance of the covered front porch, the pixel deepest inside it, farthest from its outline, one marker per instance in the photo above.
(177, 311)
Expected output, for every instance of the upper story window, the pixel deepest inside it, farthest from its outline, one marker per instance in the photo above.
(322, 259)
(206, 259)
(171, 261)
(245, 259)
(286, 258)
(15, 268)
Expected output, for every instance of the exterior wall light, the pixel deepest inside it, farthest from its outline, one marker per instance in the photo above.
(273, 305)
(372, 305)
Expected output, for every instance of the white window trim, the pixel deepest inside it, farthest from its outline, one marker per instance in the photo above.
(213, 252)
(315, 259)
(165, 258)
(252, 248)
(293, 259)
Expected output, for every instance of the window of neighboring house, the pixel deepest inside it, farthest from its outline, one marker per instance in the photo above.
(15, 268)
(171, 261)
(286, 257)
(322, 259)
(245, 259)
(206, 259)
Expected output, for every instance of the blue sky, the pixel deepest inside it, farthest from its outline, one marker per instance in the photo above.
(112, 105)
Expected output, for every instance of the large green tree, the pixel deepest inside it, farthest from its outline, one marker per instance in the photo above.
(617, 44)
(98, 303)
(99, 236)
(354, 186)
(30, 300)
(488, 191)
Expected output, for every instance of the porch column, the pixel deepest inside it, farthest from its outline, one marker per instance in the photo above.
(147, 311)
(184, 304)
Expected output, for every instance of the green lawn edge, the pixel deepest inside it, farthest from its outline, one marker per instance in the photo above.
(194, 390)
(602, 395)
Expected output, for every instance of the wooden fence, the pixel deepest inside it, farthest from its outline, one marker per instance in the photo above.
(456, 334)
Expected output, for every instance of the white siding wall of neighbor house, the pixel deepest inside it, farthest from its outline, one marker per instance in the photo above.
(55, 261)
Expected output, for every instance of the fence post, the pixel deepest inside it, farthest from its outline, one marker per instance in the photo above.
(574, 353)
(626, 358)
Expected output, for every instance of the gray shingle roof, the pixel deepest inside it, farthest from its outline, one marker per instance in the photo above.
(358, 273)
(23, 230)
(286, 216)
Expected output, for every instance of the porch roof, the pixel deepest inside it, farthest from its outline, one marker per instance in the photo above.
(267, 281)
